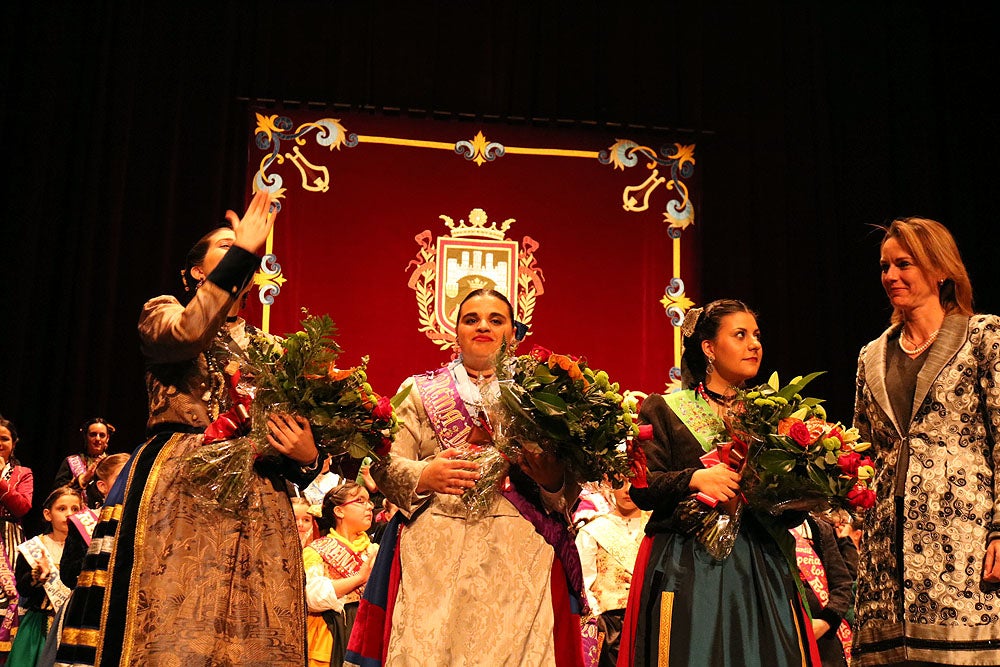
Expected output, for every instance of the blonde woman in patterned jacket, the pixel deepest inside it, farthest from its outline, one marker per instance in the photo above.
(928, 398)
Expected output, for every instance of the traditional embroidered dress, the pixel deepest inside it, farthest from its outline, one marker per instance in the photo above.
(331, 618)
(921, 594)
(608, 546)
(470, 592)
(39, 600)
(16, 487)
(168, 579)
(685, 608)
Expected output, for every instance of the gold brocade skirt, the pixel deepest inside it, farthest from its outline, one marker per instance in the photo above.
(187, 583)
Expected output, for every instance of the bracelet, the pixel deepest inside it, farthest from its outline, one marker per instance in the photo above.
(312, 467)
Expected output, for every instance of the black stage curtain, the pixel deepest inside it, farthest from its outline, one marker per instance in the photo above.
(124, 128)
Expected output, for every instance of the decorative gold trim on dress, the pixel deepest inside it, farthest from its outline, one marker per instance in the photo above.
(666, 621)
(79, 637)
(111, 561)
(92, 578)
(139, 547)
(798, 634)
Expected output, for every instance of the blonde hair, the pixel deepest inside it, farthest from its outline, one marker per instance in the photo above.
(935, 251)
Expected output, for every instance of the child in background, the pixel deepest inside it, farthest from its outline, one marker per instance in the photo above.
(80, 527)
(829, 588)
(337, 568)
(304, 521)
(37, 574)
(608, 547)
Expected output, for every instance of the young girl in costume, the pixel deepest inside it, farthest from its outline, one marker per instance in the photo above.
(337, 568)
(37, 573)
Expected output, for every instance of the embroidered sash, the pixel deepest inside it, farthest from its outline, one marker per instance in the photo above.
(615, 540)
(85, 522)
(445, 408)
(34, 551)
(341, 562)
(706, 426)
(814, 574)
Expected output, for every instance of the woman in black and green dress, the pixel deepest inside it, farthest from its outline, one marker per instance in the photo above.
(686, 607)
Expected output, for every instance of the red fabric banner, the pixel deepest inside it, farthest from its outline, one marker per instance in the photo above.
(386, 222)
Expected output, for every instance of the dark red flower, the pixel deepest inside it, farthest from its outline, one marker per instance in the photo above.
(861, 497)
(383, 449)
(799, 432)
(383, 409)
(539, 353)
(849, 463)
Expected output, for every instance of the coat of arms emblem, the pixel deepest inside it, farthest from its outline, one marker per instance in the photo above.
(475, 255)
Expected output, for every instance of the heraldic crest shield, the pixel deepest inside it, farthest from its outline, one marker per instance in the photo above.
(475, 255)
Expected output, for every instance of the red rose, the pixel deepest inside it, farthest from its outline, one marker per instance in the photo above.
(799, 432)
(383, 409)
(384, 448)
(849, 463)
(861, 497)
(539, 353)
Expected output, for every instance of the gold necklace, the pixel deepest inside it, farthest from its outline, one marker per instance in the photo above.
(919, 348)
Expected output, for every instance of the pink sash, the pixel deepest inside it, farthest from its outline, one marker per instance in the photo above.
(813, 573)
(85, 522)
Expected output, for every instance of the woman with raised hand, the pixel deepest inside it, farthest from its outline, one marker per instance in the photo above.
(179, 580)
(928, 399)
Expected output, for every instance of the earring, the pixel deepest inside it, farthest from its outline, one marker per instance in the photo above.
(710, 366)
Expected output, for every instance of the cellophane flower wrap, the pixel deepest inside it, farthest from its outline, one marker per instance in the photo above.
(298, 376)
(554, 403)
(797, 460)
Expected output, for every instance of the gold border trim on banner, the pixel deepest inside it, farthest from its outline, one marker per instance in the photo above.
(678, 214)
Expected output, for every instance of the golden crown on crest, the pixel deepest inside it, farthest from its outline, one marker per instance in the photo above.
(477, 226)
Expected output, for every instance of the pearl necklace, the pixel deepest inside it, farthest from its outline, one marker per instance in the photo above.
(920, 348)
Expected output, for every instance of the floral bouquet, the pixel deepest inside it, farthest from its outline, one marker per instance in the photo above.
(790, 457)
(298, 376)
(546, 402)
(797, 459)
